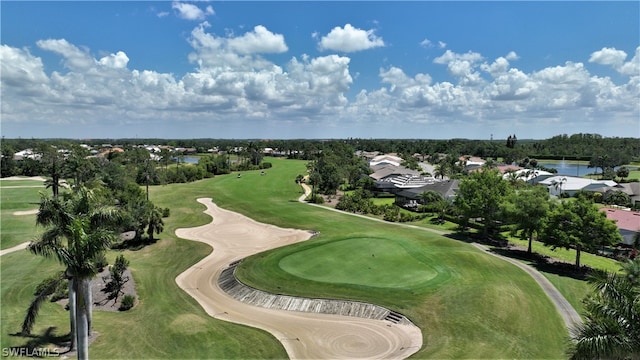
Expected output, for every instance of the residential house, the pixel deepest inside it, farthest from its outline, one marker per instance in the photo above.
(410, 197)
(386, 159)
(570, 185)
(531, 176)
(628, 223)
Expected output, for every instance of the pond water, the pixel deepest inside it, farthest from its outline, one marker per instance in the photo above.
(188, 159)
(574, 169)
(571, 169)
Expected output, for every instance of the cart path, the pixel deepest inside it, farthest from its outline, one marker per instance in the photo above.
(569, 315)
(15, 248)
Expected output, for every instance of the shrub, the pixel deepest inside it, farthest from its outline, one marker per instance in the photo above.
(127, 302)
(101, 261)
(266, 165)
(316, 199)
(166, 212)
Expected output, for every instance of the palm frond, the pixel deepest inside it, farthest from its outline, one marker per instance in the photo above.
(47, 287)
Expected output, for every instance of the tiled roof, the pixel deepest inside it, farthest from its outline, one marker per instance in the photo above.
(626, 220)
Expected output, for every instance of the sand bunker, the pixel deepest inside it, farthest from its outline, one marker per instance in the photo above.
(303, 335)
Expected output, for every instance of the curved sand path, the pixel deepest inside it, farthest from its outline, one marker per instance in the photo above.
(303, 335)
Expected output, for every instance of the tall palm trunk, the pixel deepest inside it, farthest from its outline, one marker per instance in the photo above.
(89, 297)
(72, 314)
(82, 321)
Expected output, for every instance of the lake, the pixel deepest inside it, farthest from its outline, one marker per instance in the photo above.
(573, 169)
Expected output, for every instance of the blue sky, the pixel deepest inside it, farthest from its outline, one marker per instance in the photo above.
(324, 69)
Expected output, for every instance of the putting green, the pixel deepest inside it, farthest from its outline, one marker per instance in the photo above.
(368, 261)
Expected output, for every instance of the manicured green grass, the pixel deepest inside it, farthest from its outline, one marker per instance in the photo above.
(634, 174)
(167, 323)
(16, 229)
(383, 201)
(468, 304)
(573, 290)
(594, 261)
(360, 261)
(476, 306)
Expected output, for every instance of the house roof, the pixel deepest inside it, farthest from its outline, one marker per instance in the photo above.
(630, 189)
(626, 220)
(530, 174)
(506, 168)
(386, 159)
(572, 183)
(389, 170)
(445, 188)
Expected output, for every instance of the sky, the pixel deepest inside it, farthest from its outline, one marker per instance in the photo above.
(317, 70)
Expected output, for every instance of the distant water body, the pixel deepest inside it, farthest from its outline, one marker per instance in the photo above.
(571, 169)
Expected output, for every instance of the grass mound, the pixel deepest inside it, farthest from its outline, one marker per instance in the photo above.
(370, 261)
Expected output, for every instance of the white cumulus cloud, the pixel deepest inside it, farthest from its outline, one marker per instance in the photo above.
(350, 39)
(116, 61)
(190, 11)
(260, 40)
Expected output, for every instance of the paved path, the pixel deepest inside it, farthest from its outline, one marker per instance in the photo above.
(569, 315)
(14, 249)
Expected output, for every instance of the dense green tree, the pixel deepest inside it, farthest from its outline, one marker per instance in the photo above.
(608, 159)
(7, 164)
(480, 196)
(622, 172)
(612, 323)
(527, 210)
(617, 197)
(578, 224)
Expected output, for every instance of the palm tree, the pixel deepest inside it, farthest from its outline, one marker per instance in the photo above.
(441, 170)
(61, 215)
(612, 326)
(156, 224)
(84, 247)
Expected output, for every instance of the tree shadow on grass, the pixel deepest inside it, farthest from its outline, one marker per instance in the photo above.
(547, 264)
(134, 244)
(39, 345)
(540, 262)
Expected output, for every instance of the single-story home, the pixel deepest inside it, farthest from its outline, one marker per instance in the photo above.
(382, 173)
(628, 223)
(570, 185)
(447, 189)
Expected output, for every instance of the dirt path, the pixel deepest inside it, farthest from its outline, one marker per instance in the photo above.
(303, 335)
